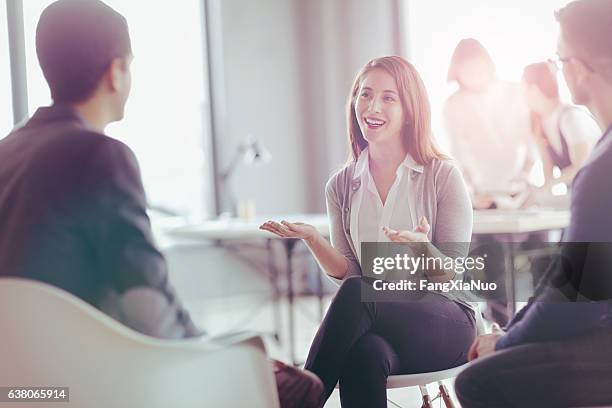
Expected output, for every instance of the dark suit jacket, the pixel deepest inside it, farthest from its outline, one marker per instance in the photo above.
(73, 214)
(578, 298)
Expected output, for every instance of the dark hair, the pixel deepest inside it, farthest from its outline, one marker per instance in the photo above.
(76, 40)
(417, 134)
(543, 77)
(587, 25)
(466, 50)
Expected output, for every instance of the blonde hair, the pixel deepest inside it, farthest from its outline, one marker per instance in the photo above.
(416, 133)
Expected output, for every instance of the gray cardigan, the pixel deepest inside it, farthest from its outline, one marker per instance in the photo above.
(440, 195)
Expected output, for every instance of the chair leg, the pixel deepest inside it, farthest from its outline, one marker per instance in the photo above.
(425, 395)
(445, 395)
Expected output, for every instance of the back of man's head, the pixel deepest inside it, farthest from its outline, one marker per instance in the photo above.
(76, 41)
(586, 25)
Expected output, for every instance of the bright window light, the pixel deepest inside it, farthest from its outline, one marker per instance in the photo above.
(6, 107)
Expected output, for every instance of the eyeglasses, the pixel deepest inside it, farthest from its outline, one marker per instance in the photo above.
(558, 62)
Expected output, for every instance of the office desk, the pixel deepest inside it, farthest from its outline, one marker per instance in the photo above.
(500, 222)
(238, 229)
(506, 224)
(485, 222)
(509, 227)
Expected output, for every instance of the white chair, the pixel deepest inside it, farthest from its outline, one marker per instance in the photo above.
(423, 379)
(51, 338)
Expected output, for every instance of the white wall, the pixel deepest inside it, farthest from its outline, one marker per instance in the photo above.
(288, 67)
(337, 38)
(262, 91)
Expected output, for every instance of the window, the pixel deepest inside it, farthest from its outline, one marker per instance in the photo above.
(166, 114)
(6, 107)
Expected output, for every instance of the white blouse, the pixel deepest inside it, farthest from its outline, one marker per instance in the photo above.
(577, 125)
(369, 215)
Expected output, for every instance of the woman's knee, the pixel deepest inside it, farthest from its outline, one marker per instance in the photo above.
(349, 291)
(351, 284)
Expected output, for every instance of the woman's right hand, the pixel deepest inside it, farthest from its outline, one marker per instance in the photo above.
(296, 230)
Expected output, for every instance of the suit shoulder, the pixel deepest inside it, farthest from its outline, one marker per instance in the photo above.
(101, 140)
(103, 157)
(108, 148)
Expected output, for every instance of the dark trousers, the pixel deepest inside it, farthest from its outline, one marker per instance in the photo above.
(361, 343)
(569, 373)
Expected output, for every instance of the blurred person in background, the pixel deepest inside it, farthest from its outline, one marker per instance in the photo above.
(564, 133)
(396, 187)
(487, 123)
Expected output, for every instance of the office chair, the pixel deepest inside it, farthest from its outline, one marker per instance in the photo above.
(52, 338)
(423, 379)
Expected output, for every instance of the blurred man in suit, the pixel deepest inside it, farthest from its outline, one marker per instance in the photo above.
(556, 351)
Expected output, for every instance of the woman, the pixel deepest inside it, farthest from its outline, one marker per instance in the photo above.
(564, 134)
(487, 123)
(398, 187)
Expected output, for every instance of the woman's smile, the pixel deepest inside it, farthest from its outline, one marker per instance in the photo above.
(373, 122)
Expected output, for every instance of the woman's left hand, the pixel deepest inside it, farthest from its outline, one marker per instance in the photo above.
(418, 234)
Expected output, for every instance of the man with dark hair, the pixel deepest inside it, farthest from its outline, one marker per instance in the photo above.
(73, 72)
(556, 351)
(72, 203)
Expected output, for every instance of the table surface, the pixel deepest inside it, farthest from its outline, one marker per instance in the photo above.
(485, 222)
(519, 221)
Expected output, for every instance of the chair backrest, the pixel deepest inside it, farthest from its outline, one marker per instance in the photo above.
(49, 337)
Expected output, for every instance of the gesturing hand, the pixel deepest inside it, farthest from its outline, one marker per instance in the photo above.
(296, 230)
(418, 234)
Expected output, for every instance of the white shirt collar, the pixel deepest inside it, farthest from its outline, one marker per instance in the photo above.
(362, 164)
